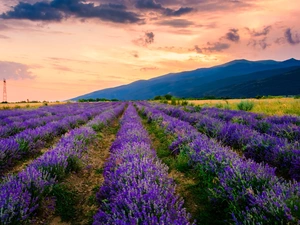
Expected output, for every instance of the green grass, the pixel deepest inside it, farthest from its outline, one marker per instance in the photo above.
(275, 106)
(245, 105)
(65, 201)
(99, 171)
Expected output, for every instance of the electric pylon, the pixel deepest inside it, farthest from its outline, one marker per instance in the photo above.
(4, 91)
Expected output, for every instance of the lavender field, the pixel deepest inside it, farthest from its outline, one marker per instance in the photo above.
(148, 163)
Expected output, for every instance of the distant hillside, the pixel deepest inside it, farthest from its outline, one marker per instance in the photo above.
(200, 82)
(284, 84)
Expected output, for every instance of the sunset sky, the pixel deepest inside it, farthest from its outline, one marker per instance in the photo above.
(59, 49)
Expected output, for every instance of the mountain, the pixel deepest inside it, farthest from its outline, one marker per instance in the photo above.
(283, 84)
(199, 82)
(213, 88)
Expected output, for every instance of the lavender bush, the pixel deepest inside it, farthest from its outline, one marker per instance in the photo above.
(136, 188)
(250, 191)
(30, 141)
(20, 195)
(277, 152)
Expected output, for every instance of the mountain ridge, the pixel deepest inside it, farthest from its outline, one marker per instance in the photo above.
(187, 83)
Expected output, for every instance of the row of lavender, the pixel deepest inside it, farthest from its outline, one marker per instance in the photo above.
(20, 115)
(21, 195)
(275, 151)
(228, 114)
(249, 191)
(30, 141)
(137, 189)
(283, 127)
(40, 118)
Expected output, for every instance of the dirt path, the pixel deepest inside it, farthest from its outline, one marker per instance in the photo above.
(85, 183)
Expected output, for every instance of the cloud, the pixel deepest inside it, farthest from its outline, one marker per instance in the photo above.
(14, 71)
(179, 12)
(153, 5)
(3, 27)
(291, 39)
(57, 10)
(263, 32)
(149, 37)
(146, 40)
(261, 44)
(147, 4)
(59, 60)
(146, 69)
(176, 23)
(135, 54)
(62, 68)
(211, 47)
(198, 49)
(216, 47)
(4, 37)
(233, 35)
(280, 41)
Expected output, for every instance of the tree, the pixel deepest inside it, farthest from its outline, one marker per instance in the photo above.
(168, 96)
(157, 97)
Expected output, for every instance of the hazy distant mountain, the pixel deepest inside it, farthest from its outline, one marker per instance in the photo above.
(217, 80)
(287, 83)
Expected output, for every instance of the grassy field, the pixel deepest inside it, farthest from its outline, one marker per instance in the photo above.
(278, 106)
(26, 105)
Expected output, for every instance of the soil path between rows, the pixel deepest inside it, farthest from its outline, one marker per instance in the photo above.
(87, 181)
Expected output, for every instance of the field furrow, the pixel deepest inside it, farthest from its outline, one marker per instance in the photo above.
(29, 142)
(249, 192)
(275, 151)
(22, 194)
(136, 188)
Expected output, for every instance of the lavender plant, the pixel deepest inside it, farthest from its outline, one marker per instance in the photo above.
(20, 195)
(136, 188)
(250, 191)
(277, 152)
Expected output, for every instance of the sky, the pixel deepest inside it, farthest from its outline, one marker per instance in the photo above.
(59, 49)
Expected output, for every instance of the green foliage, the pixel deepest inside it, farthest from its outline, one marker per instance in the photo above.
(98, 127)
(158, 97)
(219, 105)
(297, 97)
(65, 201)
(195, 191)
(173, 101)
(272, 97)
(74, 164)
(99, 170)
(168, 96)
(182, 162)
(245, 105)
(23, 146)
(164, 101)
(184, 103)
(197, 108)
(227, 106)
